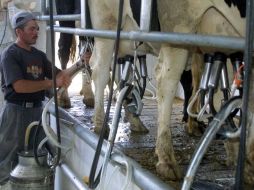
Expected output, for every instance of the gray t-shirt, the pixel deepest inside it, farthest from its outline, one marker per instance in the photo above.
(18, 63)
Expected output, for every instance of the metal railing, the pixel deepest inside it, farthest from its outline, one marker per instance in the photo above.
(141, 177)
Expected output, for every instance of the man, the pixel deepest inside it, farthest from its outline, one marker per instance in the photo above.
(26, 74)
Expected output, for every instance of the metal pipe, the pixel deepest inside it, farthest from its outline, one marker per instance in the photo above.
(233, 43)
(43, 7)
(145, 15)
(83, 4)
(59, 17)
(113, 131)
(219, 60)
(224, 77)
(73, 178)
(207, 138)
(143, 178)
(208, 59)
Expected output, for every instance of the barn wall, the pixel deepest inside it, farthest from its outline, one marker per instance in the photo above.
(6, 39)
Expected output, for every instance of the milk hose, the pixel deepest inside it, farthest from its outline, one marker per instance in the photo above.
(213, 127)
(93, 182)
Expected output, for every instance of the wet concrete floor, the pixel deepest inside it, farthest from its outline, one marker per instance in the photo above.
(212, 168)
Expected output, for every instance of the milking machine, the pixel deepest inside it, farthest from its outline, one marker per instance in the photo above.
(215, 69)
(131, 92)
(212, 129)
(218, 73)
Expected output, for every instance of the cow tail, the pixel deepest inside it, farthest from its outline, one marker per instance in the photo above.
(73, 49)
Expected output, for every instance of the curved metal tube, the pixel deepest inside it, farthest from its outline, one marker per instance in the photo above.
(73, 70)
(233, 135)
(191, 105)
(27, 135)
(113, 130)
(211, 131)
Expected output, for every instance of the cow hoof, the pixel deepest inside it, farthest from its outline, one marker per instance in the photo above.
(136, 125)
(194, 128)
(168, 172)
(66, 103)
(97, 130)
(185, 118)
(138, 128)
(248, 177)
(89, 102)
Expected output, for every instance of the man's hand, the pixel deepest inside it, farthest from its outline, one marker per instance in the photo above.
(63, 79)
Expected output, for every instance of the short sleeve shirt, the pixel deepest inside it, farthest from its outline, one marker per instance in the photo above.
(18, 63)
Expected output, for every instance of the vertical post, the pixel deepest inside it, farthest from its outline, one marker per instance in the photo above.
(43, 6)
(145, 15)
(247, 97)
(83, 4)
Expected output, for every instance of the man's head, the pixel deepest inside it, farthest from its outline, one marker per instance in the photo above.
(21, 18)
(25, 26)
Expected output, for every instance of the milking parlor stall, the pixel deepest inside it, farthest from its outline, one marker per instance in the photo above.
(134, 117)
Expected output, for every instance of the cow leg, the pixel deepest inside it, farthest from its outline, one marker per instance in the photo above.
(100, 63)
(64, 45)
(249, 164)
(168, 72)
(64, 100)
(136, 125)
(197, 65)
(86, 91)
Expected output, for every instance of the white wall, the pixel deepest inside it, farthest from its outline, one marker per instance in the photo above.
(6, 39)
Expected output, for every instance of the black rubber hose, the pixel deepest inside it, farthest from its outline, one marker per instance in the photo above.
(35, 143)
(210, 100)
(143, 89)
(54, 79)
(202, 98)
(93, 183)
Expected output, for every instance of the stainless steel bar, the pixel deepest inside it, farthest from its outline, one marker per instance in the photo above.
(59, 17)
(145, 15)
(83, 13)
(224, 42)
(143, 178)
(207, 138)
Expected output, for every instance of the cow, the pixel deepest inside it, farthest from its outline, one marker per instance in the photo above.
(67, 50)
(184, 16)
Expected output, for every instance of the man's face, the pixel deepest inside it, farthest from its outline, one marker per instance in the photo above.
(29, 33)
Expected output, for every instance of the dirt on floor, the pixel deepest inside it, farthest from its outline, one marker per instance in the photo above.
(212, 170)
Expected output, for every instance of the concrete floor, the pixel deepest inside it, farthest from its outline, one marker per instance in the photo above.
(212, 168)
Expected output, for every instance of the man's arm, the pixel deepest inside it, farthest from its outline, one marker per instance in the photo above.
(63, 79)
(29, 86)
